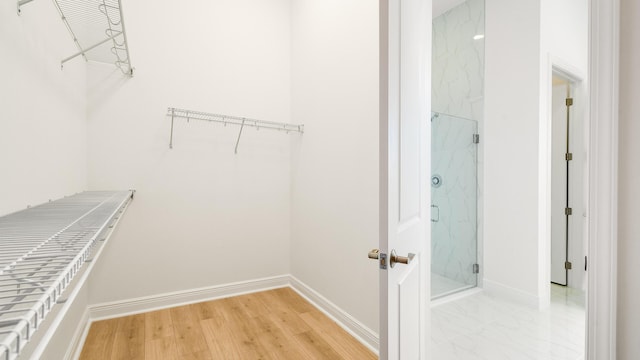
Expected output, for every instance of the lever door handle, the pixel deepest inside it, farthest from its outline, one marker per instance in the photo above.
(396, 259)
(376, 254)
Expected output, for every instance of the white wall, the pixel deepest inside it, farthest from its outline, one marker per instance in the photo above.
(628, 346)
(202, 216)
(511, 140)
(565, 30)
(517, 133)
(334, 212)
(43, 129)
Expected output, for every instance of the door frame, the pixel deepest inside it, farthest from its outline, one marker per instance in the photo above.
(604, 49)
(576, 79)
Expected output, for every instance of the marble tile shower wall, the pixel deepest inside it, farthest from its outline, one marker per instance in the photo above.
(458, 90)
(458, 61)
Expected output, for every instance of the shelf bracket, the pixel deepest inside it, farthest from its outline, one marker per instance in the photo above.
(22, 2)
(82, 52)
(173, 113)
(239, 134)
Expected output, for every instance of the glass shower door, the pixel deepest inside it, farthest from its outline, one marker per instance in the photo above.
(454, 185)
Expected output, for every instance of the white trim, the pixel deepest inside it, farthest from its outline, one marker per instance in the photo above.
(79, 337)
(144, 304)
(560, 66)
(603, 178)
(362, 333)
(500, 290)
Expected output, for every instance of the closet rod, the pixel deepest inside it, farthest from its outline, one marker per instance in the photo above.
(228, 119)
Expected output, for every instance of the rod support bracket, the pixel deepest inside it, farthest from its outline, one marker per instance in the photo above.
(20, 3)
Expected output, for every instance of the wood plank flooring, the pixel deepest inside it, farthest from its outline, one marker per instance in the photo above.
(276, 324)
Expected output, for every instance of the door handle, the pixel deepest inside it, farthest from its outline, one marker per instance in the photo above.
(376, 254)
(396, 259)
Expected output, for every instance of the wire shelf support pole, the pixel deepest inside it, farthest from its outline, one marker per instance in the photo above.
(239, 134)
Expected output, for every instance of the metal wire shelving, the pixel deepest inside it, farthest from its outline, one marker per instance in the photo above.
(41, 250)
(176, 113)
(93, 23)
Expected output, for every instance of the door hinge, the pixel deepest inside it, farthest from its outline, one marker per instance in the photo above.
(476, 138)
(476, 268)
(568, 211)
(585, 263)
(568, 156)
(567, 265)
(569, 101)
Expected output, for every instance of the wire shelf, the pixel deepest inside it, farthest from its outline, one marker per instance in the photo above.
(93, 23)
(175, 113)
(41, 250)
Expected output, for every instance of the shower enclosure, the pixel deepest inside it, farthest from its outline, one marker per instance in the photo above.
(454, 184)
(457, 102)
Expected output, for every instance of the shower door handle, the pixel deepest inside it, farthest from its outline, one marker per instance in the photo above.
(435, 210)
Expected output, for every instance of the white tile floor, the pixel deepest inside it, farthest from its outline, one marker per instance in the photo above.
(482, 327)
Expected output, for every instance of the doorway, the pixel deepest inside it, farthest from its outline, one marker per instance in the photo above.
(568, 243)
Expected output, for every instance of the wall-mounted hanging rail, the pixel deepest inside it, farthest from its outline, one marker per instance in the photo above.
(41, 250)
(175, 113)
(93, 23)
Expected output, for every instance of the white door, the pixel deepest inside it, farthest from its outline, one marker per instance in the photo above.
(405, 82)
(559, 182)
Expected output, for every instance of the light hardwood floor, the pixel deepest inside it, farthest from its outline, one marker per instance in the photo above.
(275, 324)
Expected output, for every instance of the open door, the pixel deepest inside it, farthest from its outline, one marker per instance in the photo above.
(404, 256)
(561, 158)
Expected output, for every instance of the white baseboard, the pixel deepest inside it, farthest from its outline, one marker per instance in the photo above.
(116, 309)
(79, 337)
(178, 298)
(366, 336)
(506, 292)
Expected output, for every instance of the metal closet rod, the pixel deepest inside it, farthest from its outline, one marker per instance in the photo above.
(229, 119)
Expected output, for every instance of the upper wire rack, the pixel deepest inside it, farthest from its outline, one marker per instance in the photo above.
(93, 24)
